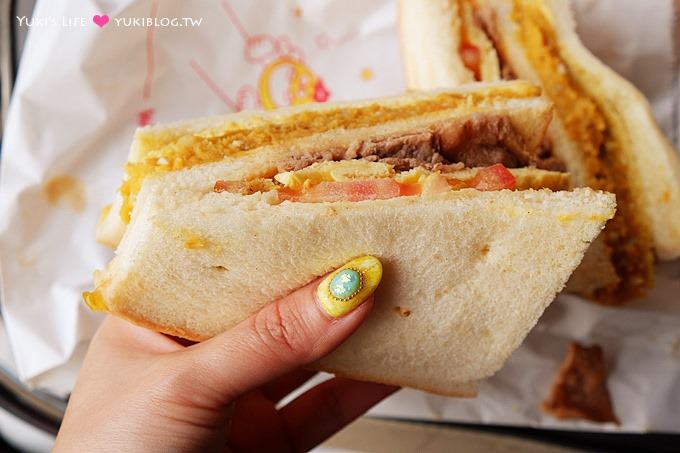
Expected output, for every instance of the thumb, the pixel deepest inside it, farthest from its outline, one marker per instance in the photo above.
(287, 334)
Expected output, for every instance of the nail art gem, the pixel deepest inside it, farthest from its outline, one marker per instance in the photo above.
(346, 284)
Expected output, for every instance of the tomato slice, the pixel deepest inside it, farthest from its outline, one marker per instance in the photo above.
(228, 186)
(472, 58)
(409, 189)
(286, 193)
(495, 177)
(372, 189)
(456, 184)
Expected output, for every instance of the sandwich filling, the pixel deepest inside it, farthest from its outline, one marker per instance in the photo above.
(179, 149)
(480, 140)
(361, 181)
(585, 123)
(420, 162)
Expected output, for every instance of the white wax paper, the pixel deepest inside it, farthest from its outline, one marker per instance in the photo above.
(82, 89)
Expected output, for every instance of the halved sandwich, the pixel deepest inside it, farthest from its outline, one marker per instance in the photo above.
(603, 129)
(473, 251)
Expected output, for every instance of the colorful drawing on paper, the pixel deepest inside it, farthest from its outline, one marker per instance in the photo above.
(145, 116)
(285, 78)
(324, 40)
(366, 74)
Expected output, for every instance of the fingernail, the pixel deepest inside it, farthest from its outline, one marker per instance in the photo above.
(346, 288)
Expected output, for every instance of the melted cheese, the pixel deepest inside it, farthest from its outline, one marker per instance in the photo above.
(345, 170)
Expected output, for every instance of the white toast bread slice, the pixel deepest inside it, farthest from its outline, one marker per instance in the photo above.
(473, 270)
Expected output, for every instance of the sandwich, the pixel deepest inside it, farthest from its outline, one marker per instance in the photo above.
(446, 188)
(603, 129)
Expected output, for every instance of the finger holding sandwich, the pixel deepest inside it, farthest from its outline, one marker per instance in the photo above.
(294, 331)
(162, 396)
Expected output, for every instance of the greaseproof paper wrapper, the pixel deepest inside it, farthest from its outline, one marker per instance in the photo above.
(81, 92)
(83, 88)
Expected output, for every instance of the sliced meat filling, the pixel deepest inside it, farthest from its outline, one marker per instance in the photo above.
(477, 142)
(484, 19)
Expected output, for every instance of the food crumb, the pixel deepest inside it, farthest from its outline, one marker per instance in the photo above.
(403, 312)
(580, 387)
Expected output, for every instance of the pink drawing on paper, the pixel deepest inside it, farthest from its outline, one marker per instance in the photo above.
(145, 116)
(324, 40)
(284, 79)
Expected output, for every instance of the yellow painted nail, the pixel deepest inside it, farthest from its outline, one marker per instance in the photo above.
(346, 288)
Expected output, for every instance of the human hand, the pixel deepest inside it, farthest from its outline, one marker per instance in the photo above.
(142, 391)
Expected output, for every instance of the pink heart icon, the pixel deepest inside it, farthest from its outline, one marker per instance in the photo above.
(100, 20)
